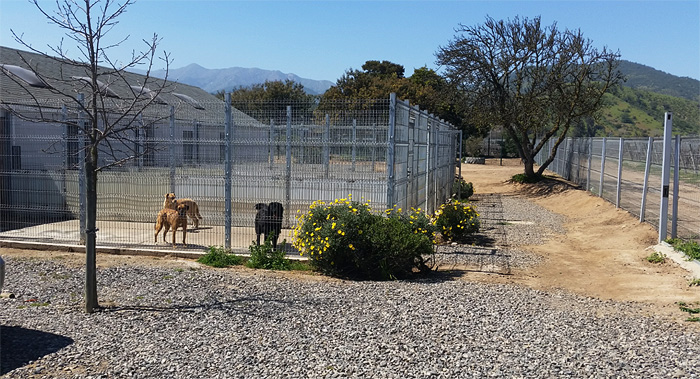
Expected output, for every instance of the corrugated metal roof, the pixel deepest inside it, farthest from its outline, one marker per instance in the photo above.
(66, 79)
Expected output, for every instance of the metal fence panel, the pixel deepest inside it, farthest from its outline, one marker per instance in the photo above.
(603, 154)
(320, 152)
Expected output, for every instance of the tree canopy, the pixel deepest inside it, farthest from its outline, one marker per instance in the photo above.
(425, 88)
(535, 81)
(269, 100)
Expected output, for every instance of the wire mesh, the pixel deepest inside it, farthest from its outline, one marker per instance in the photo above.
(289, 152)
(594, 163)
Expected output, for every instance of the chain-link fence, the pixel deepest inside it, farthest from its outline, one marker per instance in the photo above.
(627, 172)
(227, 159)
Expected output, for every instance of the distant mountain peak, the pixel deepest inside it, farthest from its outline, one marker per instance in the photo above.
(228, 79)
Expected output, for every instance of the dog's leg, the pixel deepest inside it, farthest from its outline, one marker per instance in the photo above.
(174, 233)
(165, 233)
(158, 227)
(184, 235)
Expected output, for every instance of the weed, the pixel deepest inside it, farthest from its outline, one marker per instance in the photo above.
(656, 257)
(692, 312)
(265, 257)
(179, 269)
(217, 256)
(690, 248)
(694, 283)
(167, 277)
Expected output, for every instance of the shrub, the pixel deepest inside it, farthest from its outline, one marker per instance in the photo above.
(456, 220)
(346, 239)
(217, 256)
(461, 190)
(264, 257)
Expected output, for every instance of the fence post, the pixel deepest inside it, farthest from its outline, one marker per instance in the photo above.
(141, 135)
(391, 152)
(602, 168)
(82, 189)
(171, 149)
(227, 171)
(647, 167)
(326, 144)
(676, 173)
(288, 174)
(459, 187)
(665, 173)
(590, 162)
(354, 143)
(272, 149)
(619, 172)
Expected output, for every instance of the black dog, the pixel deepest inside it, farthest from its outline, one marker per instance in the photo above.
(268, 221)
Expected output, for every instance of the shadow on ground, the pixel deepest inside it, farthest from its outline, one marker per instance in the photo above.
(20, 346)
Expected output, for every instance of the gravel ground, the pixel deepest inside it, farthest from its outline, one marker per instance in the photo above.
(194, 321)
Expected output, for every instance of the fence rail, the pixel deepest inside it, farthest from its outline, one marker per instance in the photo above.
(227, 159)
(627, 173)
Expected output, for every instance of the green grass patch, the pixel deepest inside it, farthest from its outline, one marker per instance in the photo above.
(217, 256)
(692, 312)
(690, 248)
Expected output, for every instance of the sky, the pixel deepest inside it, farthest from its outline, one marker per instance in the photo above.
(322, 40)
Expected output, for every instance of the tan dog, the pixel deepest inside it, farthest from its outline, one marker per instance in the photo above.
(193, 209)
(172, 219)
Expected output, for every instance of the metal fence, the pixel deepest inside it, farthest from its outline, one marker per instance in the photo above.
(227, 159)
(628, 173)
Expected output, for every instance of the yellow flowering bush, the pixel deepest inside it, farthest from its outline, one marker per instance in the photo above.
(456, 220)
(345, 238)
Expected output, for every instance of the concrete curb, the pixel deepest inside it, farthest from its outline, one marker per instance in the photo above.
(691, 266)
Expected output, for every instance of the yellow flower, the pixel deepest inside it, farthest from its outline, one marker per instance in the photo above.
(351, 247)
(333, 225)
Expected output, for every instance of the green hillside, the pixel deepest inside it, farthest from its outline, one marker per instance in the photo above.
(637, 108)
(638, 113)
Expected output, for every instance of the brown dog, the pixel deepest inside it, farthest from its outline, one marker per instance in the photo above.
(172, 219)
(193, 209)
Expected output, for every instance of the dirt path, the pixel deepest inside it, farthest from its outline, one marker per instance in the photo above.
(603, 252)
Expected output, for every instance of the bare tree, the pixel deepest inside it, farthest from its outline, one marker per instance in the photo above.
(109, 123)
(535, 81)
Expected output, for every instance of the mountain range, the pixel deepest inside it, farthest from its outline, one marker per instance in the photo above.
(229, 79)
(636, 109)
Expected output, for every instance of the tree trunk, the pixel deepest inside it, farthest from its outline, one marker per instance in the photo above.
(91, 303)
(529, 165)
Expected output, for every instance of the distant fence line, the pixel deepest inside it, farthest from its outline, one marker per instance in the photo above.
(627, 173)
(227, 158)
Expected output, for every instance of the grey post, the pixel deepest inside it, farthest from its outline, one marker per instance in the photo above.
(326, 145)
(676, 173)
(619, 172)
(391, 152)
(228, 168)
(271, 148)
(82, 186)
(171, 149)
(590, 161)
(288, 174)
(645, 188)
(665, 176)
(602, 168)
(354, 143)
